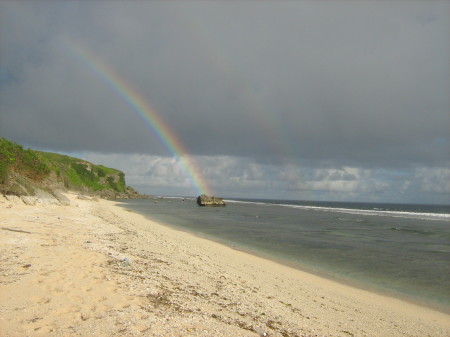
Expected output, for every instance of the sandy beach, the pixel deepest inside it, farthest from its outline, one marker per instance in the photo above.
(95, 269)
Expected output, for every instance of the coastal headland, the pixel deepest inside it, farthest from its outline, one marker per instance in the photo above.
(91, 267)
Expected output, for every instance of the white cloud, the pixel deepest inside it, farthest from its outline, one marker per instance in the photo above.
(345, 179)
(235, 176)
(435, 180)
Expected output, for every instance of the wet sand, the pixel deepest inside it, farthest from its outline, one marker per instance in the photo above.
(96, 269)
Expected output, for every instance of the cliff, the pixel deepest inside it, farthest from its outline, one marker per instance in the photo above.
(30, 173)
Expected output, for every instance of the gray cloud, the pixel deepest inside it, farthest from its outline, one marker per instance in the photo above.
(288, 83)
(243, 177)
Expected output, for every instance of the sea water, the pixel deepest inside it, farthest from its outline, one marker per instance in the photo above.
(401, 250)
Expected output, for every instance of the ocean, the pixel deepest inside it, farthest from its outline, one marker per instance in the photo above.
(399, 250)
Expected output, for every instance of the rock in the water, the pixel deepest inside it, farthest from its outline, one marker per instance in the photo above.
(204, 200)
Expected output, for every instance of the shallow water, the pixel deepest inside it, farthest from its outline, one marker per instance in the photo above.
(400, 249)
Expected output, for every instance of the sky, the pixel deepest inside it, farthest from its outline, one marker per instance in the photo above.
(305, 100)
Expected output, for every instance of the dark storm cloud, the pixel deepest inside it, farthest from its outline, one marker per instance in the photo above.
(350, 84)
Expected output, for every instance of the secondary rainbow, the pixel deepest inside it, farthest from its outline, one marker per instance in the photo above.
(144, 111)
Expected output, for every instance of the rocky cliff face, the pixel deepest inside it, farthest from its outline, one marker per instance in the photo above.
(28, 173)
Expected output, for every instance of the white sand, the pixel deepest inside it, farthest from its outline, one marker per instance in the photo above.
(62, 274)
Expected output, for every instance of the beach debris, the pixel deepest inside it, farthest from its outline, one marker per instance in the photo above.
(261, 332)
(26, 266)
(15, 230)
(83, 197)
(204, 200)
(125, 263)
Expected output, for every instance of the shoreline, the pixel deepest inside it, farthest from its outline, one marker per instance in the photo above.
(361, 285)
(303, 267)
(97, 268)
(357, 284)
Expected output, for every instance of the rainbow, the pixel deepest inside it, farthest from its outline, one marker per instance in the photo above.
(144, 111)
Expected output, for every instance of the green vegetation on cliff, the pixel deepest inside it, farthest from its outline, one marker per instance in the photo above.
(13, 158)
(76, 173)
(23, 171)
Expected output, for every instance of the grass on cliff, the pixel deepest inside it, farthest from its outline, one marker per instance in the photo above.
(77, 173)
(71, 172)
(25, 162)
